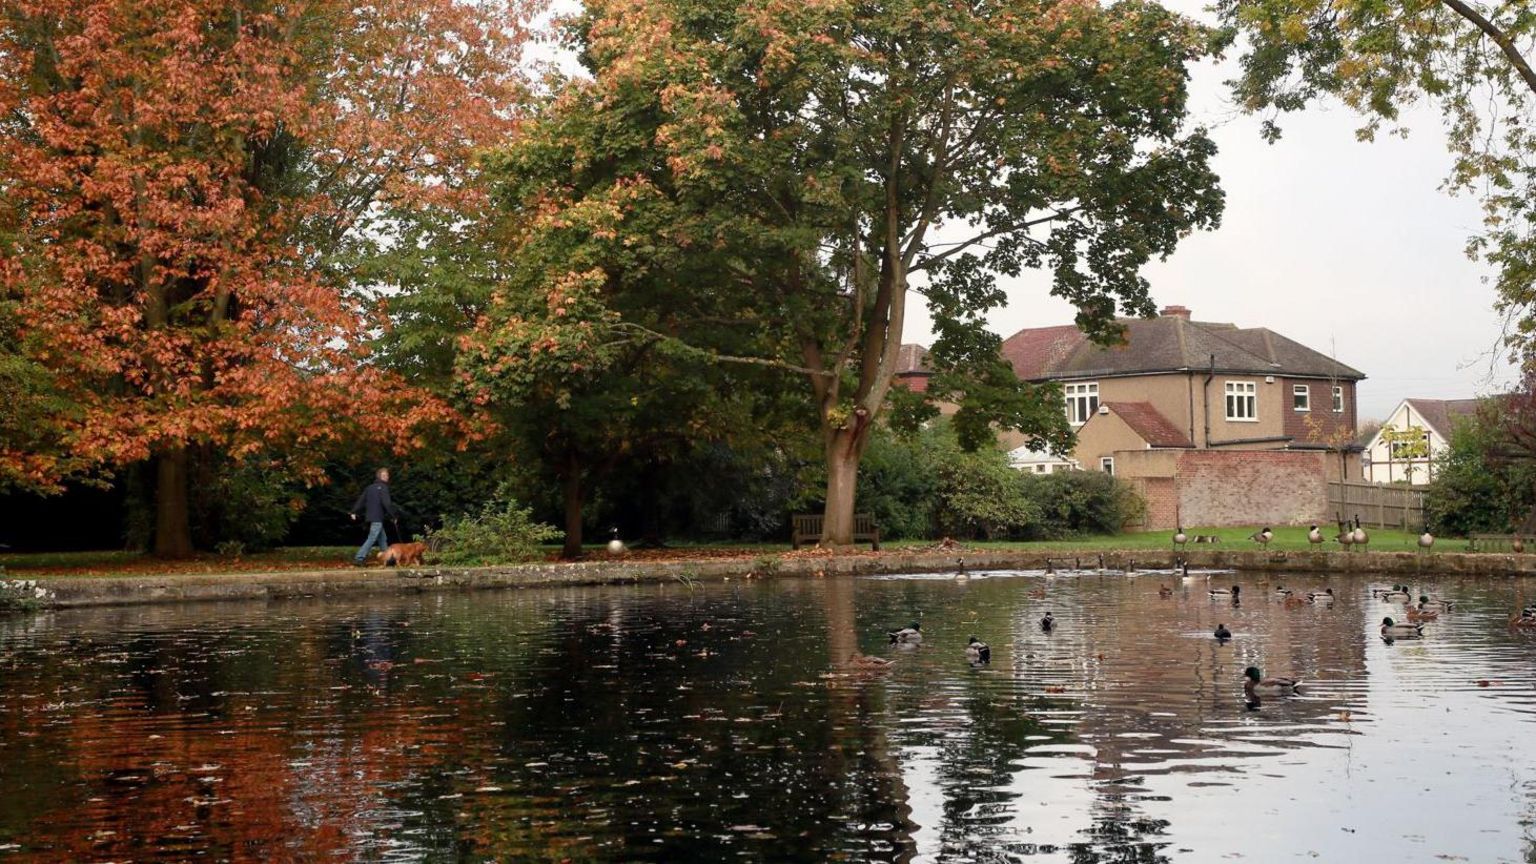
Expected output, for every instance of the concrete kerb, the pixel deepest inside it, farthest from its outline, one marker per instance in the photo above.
(64, 592)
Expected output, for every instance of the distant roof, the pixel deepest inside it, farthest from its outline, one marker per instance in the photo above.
(912, 357)
(1149, 423)
(1441, 414)
(1169, 343)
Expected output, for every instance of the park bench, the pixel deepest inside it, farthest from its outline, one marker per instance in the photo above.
(1496, 543)
(806, 528)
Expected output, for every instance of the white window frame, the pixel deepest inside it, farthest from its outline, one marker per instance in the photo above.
(1107, 465)
(1338, 400)
(1305, 393)
(1082, 401)
(1237, 394)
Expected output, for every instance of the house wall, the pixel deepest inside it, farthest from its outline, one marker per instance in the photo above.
(1417, 472)
(1169, 394)
(1227, 487)
(1103, 435)
(1327, 426)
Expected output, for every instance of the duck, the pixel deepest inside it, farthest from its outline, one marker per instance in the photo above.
(1434, 603)
(615, 545)
(1226, 592)
(1426, 542)
(1324, 596)
(909, 635)
(1254, 680)
(1048, 623)
(1398, 594)
(1184, 569)
(977, 652)
(1222, 634)
(1282, 591)
(1263, 536)
(1358, 535)
(1422, 614)
(1314, 536)
(1164, 591)
(1392, 630)
(1179, 537)
(865, 661)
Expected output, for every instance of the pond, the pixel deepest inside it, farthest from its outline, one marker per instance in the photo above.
(723, 721)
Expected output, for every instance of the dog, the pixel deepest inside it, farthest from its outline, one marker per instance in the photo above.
(403, 554)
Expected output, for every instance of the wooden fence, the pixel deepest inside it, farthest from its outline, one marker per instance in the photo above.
(1378, 506)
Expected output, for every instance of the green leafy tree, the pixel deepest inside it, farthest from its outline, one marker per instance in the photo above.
(809, 164)
(1481, 482)
(1470, 59)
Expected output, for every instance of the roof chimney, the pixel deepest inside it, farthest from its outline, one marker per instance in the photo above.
(1175, 312)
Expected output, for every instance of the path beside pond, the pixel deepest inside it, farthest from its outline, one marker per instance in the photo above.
(59, 592)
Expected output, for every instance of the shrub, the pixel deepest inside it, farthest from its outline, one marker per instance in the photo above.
(500, 533)
(1074, 503)
(1475, 488)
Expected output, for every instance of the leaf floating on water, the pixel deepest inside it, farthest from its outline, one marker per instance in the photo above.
(488, 789)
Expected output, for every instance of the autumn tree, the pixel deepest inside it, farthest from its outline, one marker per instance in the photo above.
(1469, 59)
(188, 188)
(824, 159)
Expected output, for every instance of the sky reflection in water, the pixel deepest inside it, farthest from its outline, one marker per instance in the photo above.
(724, 722)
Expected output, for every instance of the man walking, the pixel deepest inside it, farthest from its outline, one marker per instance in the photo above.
(375, 504)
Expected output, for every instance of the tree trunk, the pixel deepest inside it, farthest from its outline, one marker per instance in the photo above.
(843, 452)
(173, 526)
(572, 492)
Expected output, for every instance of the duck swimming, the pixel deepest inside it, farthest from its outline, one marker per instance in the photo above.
(1048, 623)
(1323, 597)
(909, 635)
(1428, 604)
(1222, 633)
(1392, 630)
(1254, 682)
(1226, 592)
(977, 652)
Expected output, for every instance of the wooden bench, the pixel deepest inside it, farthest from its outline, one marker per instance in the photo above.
(806, 528)
(1496, 543)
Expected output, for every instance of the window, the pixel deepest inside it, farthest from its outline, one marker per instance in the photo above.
(1082, 401)
(1242, 401)
(1301, 397)
(1338, 400)
(1107, 465)
(1039, 469)
(1407, 446)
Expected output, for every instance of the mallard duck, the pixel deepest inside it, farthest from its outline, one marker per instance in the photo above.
(1324, 596)
(1422, 614)
(1263, 536)
(1222, 634)
(1392, 630)
(1254, 681)
(1282, 591)
(1164, 591)
(1314, 536)
(1398, 594)
(1048, 623)
(1434, 603)
(1226, 592)
(864, 661)
(977, 652)
(615, 545)
(910, 634)
(1426, 542)
(1180, 538)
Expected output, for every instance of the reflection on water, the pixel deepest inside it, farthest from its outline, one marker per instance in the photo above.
(735, 722)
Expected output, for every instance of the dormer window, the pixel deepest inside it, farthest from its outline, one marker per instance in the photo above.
(1082, 401)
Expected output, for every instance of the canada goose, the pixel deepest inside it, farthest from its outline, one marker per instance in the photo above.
(1180, 538)
(1314, 536)
(615, 545)
(1263, 536)
(1517, 545)
(960, 574)
(1426, 542)
(1050, 569)
(1346, 536)
(1222, 634)
(1359, 536)
(911, 634)
(1392, 630)
(1048, 623)
(977, 652)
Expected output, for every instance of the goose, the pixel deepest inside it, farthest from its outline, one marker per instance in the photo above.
(615, 545)
(1392, 630)
(1262, 537)
(1426, 542)
(1180, 538)
(1184, 568)
(1222, 634)
(977, 652)
(1358, 535)
(1048, 623)
(1314, 536)
(960, 574)
(1226, 592)
(910, 635)
(1325, 596)
(1050, 569)
(1130, 567)
(1517, 545)
(1346, 536)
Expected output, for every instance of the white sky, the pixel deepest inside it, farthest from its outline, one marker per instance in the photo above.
(1347, 247)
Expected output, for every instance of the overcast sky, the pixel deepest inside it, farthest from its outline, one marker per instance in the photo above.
(1347, 247)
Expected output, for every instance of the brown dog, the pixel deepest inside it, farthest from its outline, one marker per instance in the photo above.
(403, 554)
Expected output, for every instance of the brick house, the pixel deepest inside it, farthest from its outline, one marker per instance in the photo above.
(1183, 409)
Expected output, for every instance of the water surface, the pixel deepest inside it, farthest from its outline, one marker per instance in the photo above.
(723, 722)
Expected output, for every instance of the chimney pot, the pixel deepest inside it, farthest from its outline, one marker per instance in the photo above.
(1175, 312)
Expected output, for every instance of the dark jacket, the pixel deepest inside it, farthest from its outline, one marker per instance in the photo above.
(375, 501)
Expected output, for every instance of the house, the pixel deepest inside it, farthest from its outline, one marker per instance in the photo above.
(1039, 461)
(1201, 415)
(1414, 434)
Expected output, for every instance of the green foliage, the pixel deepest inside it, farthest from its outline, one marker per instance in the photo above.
(501, 533)
(1477, 488)
(979, 494)
(897, 484)
(1078, 503)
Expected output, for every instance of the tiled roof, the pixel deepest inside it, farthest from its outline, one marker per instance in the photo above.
(1150, 424)
(912, 357)
(1165, 344)
(1441, 414)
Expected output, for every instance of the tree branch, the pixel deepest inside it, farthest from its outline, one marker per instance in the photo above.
(961, 246)
(714, 356)
(1500, 38)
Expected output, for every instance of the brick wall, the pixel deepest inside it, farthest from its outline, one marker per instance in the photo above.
(1251, 487)
(1161, 495)
(1327, 427)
